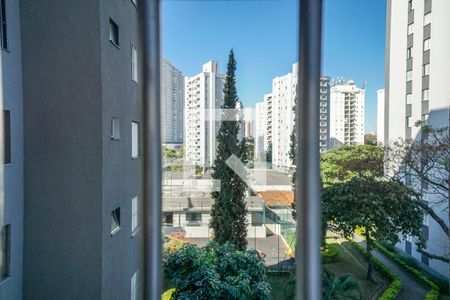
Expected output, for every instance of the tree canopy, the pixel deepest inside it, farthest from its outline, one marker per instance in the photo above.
(348, 162)
(216, 272)
(382, 208)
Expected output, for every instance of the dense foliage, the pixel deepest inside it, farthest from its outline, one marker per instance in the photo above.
(216, 272)
(229, 212)
(382, 208)
(348, 162)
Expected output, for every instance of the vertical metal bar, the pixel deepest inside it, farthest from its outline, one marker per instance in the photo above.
(308, 176)
(152, 168)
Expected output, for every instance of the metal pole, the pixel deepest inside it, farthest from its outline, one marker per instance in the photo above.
(152, 168)
(308, 180)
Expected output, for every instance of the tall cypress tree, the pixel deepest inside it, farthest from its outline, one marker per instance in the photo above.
(229, 212)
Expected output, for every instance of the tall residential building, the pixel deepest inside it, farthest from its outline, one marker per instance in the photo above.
(346, 114)
(324, 117)
(172, 104)
(268, 106)
(284, 92)
(380, 117)
(82, 159)
(260, 130)
(280, 123)
(11, 136)
(417, 89)
(203, 95)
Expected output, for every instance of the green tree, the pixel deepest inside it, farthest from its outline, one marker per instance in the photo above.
(216, 272)
(229, 212)
(293, 157)
(333, 287)
(345, 287)
(348, 162)
(370, 139)
(383, 209)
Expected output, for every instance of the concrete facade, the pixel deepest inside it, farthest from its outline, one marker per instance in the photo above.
(77, 171)
(346, 114)
(11, 175)
(417, 89)
(380, 116)
(172, 104)
(203, 95)
(280, 118)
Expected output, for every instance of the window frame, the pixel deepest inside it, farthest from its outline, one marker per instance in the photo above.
(5, 259)
(7, 146)
(4, 43)
(135, 140)
(114, 34)
(134, 63)
(115, 217)
(134, 215)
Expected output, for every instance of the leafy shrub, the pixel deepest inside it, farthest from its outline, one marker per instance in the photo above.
(216, 272)
(330, 253)
(396, 284)
(433, 292)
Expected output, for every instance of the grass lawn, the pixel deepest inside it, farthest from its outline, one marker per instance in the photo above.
(348, 262)
(278, 282)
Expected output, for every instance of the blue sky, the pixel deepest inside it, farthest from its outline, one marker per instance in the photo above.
(264, 37)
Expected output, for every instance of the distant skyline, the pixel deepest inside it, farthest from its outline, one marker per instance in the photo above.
(263, 35)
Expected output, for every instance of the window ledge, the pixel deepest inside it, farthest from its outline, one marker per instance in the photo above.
(115, 231)
(5, 280)
(115, 45)
(135, 231)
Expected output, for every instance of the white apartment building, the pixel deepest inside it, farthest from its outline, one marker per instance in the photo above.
(172, 104)
(380, 116)
(260, 130)
(203, 95)
(284, 92)
(279, 106)
(346, 114)
(417, 89)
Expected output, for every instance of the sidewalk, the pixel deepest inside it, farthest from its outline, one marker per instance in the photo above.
(411, 289)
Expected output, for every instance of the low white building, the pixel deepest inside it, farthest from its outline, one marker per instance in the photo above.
(193, 216)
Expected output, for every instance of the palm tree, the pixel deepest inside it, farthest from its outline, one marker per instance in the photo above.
(339, 287)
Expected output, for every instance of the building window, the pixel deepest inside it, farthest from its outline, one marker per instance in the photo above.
(115, 128)
(168, 219)
(115, 220)
(134, 139)
(134, 63)
(408, 75)
(408, 99)
(113, 32)
(6, 137)
(410, 29)
(134, 214)
(427, 19)
(134, 286)
(5, 254)
(194, 218)
(4, 28)
(426, 95)
(426, 70)
(409, 52)
(426, 45)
